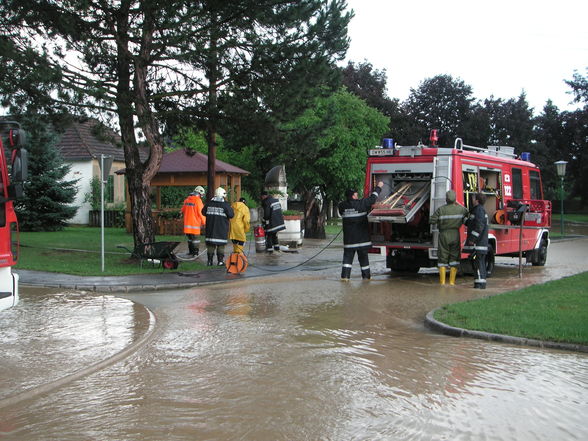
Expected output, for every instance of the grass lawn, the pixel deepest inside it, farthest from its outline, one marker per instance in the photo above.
(332, 230)
(77, 250)
(573, 217)
(554, 311)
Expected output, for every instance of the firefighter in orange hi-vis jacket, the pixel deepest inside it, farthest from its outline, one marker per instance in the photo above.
(193, 219)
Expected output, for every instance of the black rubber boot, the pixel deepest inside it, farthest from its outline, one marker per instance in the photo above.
(366, 274)
(345, 273)
(192, 249)
(221, 259)
(210, 257)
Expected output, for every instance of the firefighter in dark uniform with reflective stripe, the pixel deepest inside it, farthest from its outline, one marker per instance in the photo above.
(217, 212)
(356, 236)
(273, 219)
(449, 218)
(477, 240)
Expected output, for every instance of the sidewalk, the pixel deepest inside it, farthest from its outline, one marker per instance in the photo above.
(260, 264)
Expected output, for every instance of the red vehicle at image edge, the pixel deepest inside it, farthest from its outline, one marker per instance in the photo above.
(12, 176)
(416, 179)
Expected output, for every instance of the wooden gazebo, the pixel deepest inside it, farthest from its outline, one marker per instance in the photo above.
(179, 169)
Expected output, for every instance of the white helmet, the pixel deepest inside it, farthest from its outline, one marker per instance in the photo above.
(220, 192)
(200, 190)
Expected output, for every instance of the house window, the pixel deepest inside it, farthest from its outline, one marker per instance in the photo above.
(123, 188)
(109, 190)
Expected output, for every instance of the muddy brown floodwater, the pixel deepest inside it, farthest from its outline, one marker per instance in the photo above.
(296, 356)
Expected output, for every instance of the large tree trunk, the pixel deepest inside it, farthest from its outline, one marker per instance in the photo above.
(211, 124)
(139, 174)
(314, 217)
(143, 227)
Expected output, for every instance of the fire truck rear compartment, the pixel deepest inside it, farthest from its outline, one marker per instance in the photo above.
(401, 213)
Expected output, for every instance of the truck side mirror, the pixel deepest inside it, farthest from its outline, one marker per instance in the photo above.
(20, 166)
(17, 138)
(19, 173)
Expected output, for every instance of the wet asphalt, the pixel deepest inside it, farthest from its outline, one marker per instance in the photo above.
(316, 259)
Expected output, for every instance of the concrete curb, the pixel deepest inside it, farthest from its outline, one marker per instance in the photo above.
(438, 326)
(126, 284)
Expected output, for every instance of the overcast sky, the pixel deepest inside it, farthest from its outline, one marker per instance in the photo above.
(499, 47)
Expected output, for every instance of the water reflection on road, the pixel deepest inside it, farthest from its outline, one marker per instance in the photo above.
(306, 357)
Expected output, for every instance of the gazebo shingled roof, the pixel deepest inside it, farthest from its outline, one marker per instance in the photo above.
(181, 169)
(179, 161)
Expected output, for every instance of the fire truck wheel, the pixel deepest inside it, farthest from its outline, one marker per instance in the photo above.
(540, 256)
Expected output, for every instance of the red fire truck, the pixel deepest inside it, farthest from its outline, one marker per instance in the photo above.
(13, 164)
(416, 179)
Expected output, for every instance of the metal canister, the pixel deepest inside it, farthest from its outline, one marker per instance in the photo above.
(259, 233)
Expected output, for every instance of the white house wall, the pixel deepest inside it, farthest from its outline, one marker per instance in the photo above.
(82, 171)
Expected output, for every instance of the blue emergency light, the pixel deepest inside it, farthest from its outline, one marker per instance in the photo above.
(388, 143)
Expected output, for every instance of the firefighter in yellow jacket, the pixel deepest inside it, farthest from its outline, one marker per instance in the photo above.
(239, 225)
(193, 219)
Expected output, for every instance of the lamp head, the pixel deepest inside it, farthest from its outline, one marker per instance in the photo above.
(561, 168)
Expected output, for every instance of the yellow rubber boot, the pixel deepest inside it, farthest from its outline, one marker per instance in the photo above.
(452, 274)
(442, 272)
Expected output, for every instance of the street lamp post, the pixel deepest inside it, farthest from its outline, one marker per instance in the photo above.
(105, 164)
(561, 172)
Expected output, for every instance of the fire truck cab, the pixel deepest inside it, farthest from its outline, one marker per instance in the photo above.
(13, 172)
(416, 179)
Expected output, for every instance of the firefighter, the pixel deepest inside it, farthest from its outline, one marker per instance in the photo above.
(356, 237)
(274, 221)
(193, 220)
(449, 218)
(477, 239)
(239, 225)
(217, 212)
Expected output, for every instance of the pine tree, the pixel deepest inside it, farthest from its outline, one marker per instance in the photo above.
(46, 205)
(142, 61)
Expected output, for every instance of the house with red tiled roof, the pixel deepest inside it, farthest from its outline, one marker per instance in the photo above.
(81, 145)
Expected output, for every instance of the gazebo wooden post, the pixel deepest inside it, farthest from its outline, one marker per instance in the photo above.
(158, 197)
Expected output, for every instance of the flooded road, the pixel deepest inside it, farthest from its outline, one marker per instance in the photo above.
(295, 356)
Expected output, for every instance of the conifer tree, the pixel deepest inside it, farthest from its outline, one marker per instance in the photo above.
(47, 202)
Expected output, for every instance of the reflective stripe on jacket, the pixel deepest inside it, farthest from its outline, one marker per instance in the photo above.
(217, 212)
(272, 214)
(194, 220)
(477, 224)
(355, 223)
(449, 216)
